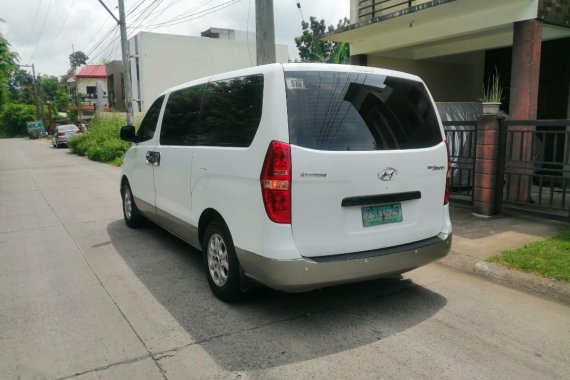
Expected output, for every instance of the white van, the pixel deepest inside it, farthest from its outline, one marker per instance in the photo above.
(296, 176)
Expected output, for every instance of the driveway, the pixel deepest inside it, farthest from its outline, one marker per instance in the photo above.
(82, 294)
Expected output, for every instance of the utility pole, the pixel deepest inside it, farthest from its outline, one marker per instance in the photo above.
(40, 97)
(126, 66)
(36, 92)
(264, 32)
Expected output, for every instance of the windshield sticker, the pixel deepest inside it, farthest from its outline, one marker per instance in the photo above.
(295, 83)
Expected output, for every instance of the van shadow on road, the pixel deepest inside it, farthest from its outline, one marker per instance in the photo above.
(268, 328)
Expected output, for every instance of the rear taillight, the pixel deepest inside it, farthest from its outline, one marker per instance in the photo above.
(276, 182)
(61, 133)
(447, 176)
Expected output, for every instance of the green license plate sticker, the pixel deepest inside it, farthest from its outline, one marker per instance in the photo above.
(382, 214)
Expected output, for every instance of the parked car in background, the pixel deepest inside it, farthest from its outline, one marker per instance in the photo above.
(296, 176)
(63, 133)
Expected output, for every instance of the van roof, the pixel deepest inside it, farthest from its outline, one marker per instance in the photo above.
(288, 67)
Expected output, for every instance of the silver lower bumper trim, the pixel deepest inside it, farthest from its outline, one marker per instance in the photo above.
(305, 274)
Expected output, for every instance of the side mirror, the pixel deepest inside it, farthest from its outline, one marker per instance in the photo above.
(128, 134)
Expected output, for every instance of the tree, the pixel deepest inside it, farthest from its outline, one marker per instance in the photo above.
(13, 119)
(50, 86)
(62, 100)
(21, 87)
(8, 65)
(313, 49)
(77, 59)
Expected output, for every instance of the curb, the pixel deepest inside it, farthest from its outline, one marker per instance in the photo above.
(540, 286)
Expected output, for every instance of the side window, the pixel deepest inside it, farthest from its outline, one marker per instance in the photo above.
(231, 112)
(181, 116)
(148, 124)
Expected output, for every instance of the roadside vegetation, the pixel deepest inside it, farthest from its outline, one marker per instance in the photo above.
(101, 141)
(548, 258)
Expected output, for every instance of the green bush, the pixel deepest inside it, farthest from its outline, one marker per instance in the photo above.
(13, 119)
(101, 140)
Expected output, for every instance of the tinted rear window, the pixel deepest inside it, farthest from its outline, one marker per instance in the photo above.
(358, 111)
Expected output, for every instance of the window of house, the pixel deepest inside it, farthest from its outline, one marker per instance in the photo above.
(91, 91)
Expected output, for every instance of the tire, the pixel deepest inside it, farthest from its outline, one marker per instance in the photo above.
(221, 263)
(131, 213)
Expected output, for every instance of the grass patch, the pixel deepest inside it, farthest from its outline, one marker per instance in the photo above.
(549, 258)
(101, 141)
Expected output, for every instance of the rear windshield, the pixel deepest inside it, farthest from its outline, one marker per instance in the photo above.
(359, 111)
(69, 127)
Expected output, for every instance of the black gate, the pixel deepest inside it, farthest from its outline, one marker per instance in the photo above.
(462, 140)
(535, 167)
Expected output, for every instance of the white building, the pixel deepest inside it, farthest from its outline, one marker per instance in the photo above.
(160, 61)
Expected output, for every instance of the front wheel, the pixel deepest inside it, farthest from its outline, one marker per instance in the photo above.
(220, 262)
(133, 217)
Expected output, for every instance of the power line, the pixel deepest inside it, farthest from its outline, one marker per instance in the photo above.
(32, 28)
(189, 17)
(59, 31)
(105, 46)
(41, 30)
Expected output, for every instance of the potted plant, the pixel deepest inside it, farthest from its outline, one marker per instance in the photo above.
(492, 95)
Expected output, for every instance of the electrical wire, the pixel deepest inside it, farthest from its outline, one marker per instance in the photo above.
(59, 31)
(41, 30)
(189, 17)
(106, 45)
(32, 28)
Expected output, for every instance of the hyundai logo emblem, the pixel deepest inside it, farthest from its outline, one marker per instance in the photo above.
(387, 174)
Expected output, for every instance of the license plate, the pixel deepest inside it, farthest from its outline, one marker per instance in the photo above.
(382, 214)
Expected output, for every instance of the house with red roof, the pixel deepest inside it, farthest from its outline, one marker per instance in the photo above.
(84, 83)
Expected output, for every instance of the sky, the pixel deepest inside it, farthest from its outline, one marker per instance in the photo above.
(44, 32)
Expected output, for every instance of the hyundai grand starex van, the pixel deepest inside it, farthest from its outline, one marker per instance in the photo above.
(295, 176)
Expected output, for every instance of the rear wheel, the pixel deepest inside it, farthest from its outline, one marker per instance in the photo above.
(133, 217)
(220, 262)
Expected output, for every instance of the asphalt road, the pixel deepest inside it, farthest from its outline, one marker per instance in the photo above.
(82, 294)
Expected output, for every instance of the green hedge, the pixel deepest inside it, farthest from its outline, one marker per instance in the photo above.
(101, 140)
(13, 119)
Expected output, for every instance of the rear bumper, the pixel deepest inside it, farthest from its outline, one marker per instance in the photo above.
(306, 274)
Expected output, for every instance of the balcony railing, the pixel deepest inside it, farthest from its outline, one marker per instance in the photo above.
(369, 9)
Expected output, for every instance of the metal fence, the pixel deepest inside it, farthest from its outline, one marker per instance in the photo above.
(534, 164)
(369, 9)
(462, 140)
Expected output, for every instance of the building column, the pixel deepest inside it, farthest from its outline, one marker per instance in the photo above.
(486, 166)
(525, 75)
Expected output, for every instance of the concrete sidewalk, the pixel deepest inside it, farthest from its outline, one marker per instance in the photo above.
(476, 238)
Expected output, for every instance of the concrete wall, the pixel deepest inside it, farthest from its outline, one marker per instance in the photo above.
(455, 79)
(164, 61)
(115, 85)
